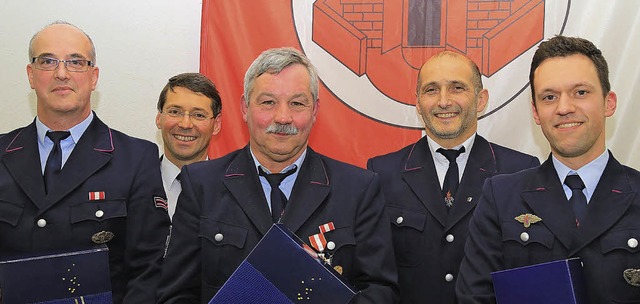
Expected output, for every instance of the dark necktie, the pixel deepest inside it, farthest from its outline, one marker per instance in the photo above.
(578, 200)
(278, 199)
(451, 179)
(54, 161)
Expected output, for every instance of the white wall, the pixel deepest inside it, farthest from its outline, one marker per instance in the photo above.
(139, 45)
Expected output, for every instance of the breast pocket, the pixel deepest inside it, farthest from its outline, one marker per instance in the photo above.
(523, 246)
(98, 212)
(620, 267)
(10, 213)
(407, 228)
(223, 249)
(340, 248)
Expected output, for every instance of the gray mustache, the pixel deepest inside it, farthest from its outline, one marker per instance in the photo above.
(287, 129)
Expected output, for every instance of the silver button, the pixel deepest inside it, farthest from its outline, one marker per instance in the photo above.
(399, 220)
(632, 242)
(524, 236)
(218, 237)
(448, 277)
(449, 238)
(331, 245)
(99, 213)
(469, 199)
(42, 223)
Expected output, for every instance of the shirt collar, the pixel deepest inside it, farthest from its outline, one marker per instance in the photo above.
(589, 173)
(297, 163)
(76, 131)
(438, 157)
(169, 172)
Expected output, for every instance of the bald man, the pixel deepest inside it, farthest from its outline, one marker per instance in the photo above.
(68, 182)
(429, 212)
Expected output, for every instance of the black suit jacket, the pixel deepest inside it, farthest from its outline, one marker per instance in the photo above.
(125, 169)
(602, 241)
(224, 196)
(429, 240)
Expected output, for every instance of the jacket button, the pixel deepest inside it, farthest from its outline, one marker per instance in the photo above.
(399, 220)
(632, 243)
(41, 223)
(449, 238)
(331, 245)
(448, 277)
(218, 237)
(99, 213)
(524, 237)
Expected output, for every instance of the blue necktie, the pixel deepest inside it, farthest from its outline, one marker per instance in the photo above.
(278, 199)
(578, 200)
(54, 162)
(451, 179)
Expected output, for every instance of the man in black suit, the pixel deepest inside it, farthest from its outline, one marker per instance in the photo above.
(428, 216)
(106, 187)
(584, 202)
(225, 207)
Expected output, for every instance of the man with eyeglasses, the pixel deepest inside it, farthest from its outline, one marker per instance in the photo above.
(188, 116)
(68, 182)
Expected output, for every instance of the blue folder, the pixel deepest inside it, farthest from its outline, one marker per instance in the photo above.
(560, 282)
(70, 277)
(279, 270)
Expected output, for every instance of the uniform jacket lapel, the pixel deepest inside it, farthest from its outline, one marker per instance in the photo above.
(241, 179)
(419, 173)
(612, 198)
(546, 199)
(22, 160)
(92, 152)
(310, 190)
(481, 165)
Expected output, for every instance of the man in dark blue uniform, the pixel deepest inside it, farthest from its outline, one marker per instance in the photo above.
(584, 202)
(227, 204)
(429, 217)
(69, 182)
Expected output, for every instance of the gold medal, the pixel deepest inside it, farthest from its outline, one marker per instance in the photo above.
(338, 269)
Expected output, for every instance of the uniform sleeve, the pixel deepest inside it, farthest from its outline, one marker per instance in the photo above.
(147, 229)
(180, 282)
(374, 264)
(482, 252)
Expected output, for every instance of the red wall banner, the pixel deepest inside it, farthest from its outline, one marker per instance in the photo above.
(368, 54)
(234, 33)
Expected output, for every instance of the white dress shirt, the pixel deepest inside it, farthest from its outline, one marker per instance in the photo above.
(171, 184)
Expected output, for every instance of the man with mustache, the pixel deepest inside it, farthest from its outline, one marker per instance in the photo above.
(585, 202)
(69, 182)
(189, 109)
(429, 217)
(228, 204)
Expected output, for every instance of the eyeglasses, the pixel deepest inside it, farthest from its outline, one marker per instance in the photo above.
(196, 116)
(50, 64)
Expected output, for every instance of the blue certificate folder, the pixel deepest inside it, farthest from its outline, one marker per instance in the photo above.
(559, 282)
(279, 270)
(70, 277)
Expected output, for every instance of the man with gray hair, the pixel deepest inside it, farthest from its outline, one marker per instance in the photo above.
(68, 182)
(228, 204)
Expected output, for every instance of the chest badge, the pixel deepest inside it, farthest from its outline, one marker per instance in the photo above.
(527, 219)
